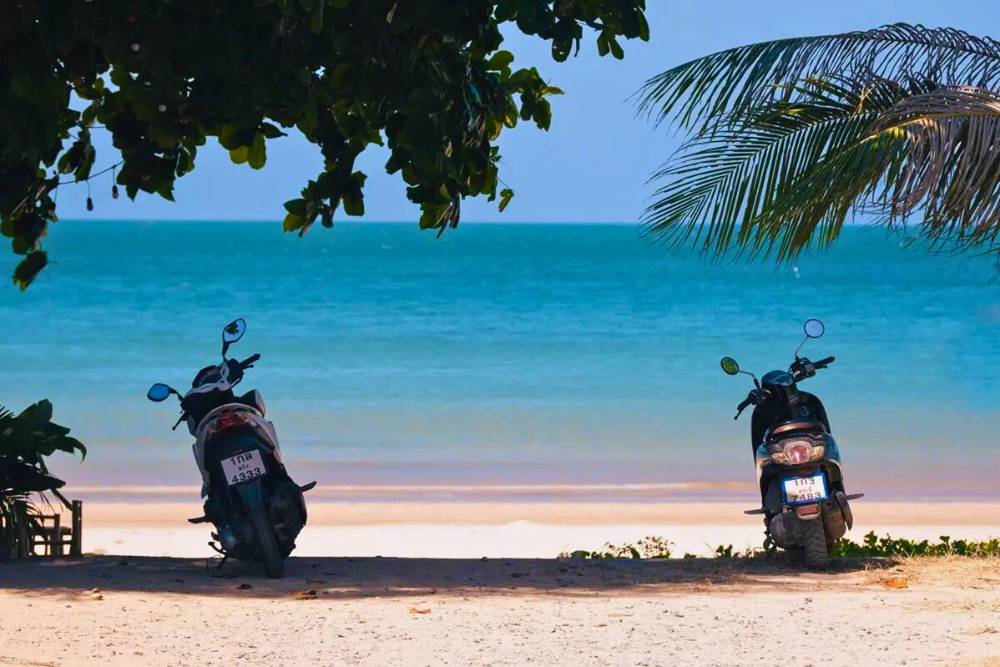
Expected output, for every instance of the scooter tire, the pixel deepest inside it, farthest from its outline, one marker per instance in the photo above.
(815, 550)
(267, 543)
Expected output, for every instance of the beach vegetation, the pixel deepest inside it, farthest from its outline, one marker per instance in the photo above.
(726, 551)
(26, 440)
(427, 80)
(871, 546)
(791, 139)
(651, 547)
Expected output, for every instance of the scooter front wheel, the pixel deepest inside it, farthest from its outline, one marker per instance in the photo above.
(266, 542)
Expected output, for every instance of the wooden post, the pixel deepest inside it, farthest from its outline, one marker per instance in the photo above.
(76, 540)
(53, 547)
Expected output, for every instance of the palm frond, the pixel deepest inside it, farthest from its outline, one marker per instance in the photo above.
(726, 179)
(714, 87)
(787, 174)
(952, 170)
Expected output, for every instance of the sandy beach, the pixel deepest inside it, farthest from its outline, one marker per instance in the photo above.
(479, 583)
(387, 611)
(512, 530)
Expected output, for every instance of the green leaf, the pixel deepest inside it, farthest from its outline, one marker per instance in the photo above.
(616, 48)
(271, 131)
(239, 155)
(602, 44)
(257, 153)
(86, 163)
(354, 205)
(505, 196)
(500, 61)
(296, 206)
(29, 268)
(89, 113)
(293, 222)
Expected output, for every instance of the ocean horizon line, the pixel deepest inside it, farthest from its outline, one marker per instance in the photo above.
(556, 223)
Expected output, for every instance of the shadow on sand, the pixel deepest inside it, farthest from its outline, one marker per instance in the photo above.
(347, 578)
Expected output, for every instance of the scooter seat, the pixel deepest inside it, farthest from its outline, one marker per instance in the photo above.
(783, 430)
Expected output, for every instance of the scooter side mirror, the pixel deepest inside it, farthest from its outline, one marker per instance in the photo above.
(235, 330)
(160, 392)
(814, 328)
(729, 366)
(231, 333)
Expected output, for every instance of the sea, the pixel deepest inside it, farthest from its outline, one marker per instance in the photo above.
(532, 362)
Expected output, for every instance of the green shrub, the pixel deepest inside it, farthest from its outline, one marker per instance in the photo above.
(873, 546)
(647, 547)
(25, 442)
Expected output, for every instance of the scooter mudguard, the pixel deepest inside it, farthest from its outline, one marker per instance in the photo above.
(252, 494)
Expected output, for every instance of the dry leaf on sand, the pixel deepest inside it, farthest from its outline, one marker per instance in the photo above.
(419, 610)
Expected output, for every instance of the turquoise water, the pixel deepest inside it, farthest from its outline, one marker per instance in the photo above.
(506, 353)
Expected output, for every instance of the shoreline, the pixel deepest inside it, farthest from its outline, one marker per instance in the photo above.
(506, 492)
(403, 512)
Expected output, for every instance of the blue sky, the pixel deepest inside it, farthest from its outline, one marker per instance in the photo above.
(591, 166)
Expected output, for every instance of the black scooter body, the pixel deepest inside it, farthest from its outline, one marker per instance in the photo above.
(805, 505)
(229, 507)
(257, 509)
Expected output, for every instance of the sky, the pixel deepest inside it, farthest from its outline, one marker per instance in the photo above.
(592, 166)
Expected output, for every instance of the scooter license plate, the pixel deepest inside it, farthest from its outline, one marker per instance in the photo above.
(243, 467)
(805, 490)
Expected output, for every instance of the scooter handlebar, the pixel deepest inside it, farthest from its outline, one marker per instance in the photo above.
(755, 397)
(823, 363)
(249, 361)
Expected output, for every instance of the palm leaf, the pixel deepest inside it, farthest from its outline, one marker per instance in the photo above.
(952, 171)
(788, 174)
(726, 179)
(711, 88)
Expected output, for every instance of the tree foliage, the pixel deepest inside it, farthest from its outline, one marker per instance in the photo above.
(793, 137)
(426, 78)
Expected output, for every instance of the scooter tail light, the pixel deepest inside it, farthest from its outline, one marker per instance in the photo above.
(798, 451)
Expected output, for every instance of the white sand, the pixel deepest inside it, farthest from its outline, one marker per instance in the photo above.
(472, 530)
(443, 604)
(383, 611)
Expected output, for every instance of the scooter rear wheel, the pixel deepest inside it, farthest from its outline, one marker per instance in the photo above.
(814, 546)
(267, 543)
